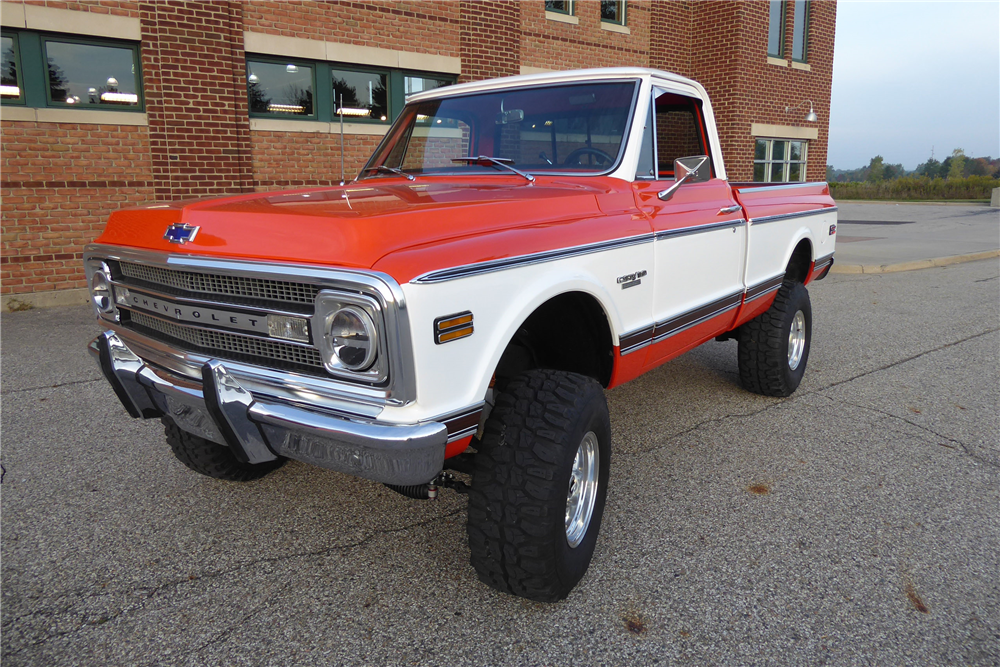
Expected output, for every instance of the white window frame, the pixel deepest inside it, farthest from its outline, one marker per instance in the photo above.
(786, 161)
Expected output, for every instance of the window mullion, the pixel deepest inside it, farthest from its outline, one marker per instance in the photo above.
(33, 68)
(324, 93)
(397, 94)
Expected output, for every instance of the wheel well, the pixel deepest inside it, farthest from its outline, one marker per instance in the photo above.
(798, 266)
(569, 332)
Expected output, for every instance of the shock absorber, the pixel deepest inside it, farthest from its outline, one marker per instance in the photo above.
(429, 491)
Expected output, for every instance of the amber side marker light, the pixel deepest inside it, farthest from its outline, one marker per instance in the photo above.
(453, 327)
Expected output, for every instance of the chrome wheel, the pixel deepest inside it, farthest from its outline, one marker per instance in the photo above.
(796, 340)
(582, 494)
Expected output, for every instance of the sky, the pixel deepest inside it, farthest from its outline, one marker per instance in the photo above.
(909, 76)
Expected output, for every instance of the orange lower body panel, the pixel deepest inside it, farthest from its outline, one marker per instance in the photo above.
(457, 447)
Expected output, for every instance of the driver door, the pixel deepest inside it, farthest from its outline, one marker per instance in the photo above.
(700, 235)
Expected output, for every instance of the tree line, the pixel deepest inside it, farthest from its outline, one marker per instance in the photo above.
(955, 166)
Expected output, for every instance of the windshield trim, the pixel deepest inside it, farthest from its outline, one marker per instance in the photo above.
(622, 149)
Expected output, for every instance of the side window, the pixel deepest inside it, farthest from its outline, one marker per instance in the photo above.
(800, 31)
(776, 29)
(680, 131)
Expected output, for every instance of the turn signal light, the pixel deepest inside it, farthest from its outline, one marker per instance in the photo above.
(453, 327)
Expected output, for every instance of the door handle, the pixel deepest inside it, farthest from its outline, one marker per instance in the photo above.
(729, 209)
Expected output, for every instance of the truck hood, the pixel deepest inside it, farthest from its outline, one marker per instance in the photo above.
(361, 224)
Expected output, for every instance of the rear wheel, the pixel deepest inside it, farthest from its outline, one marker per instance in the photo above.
(212, 459)
(774, 346)
(539, 485)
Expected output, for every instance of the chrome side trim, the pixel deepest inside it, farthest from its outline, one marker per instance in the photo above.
(462, 423)
(635, 340)
(654, 333)
(750, 187)
(478, 268)
(684, 321)
(491, 266)
(821, 262)
(764, 287)
(699, 229)
(378, 285)
(789, 216)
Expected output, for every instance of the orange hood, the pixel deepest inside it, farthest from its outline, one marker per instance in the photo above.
(365, 224)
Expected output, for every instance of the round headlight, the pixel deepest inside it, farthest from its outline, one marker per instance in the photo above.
(100, 290)
(353, 338)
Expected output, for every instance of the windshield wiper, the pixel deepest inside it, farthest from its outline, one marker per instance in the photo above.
(498, 161)
(391, 170)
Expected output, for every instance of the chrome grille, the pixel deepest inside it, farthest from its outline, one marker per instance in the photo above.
(224, 344)
(227, 285)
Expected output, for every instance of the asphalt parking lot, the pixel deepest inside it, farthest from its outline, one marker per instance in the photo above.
(857, 522)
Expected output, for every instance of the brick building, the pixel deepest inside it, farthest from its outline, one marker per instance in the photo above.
(110, 103)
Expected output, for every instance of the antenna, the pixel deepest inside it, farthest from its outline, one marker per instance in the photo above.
(340, 110)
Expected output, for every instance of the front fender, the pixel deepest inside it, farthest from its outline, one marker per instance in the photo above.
(456, 374)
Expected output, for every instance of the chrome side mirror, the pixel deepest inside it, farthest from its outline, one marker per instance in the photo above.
(695, 169)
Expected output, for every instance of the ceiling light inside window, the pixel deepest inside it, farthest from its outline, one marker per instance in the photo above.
(349, 111)
(286, 108)
(291, 68)
(130, 98)
(253, 78)
(112, 81)
(10, 91)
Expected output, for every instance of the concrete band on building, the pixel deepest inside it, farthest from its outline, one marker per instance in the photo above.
(206, 115)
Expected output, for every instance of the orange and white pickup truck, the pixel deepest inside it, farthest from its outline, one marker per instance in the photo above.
(512, 249)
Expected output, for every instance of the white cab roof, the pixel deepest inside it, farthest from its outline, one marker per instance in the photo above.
(568, 76)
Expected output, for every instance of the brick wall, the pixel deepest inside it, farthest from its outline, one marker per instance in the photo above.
(745, 88)
(60, 181)
(556, 45)
(424, 27)
(194, 68)
(294, 159)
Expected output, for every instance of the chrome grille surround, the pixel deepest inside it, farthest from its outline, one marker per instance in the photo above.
(276, 362)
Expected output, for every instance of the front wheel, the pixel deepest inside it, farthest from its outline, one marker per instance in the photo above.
(539, 485)
(212, 459)
(774, 346)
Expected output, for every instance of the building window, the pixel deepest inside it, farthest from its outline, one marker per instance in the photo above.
(319, 91)
(359, 94)
(48, 71)
(559, 6)
(281, 88)
(418, 84)
(613, 11)
(10, 86)
(800, 31)
(776, 29)
(779, 161)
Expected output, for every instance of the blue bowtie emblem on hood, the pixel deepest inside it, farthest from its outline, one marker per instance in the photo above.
(181, 233)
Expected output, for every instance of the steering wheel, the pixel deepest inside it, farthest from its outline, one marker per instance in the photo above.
(574, 156)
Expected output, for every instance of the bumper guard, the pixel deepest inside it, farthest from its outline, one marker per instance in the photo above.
(256, 430)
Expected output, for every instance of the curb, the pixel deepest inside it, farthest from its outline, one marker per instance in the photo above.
(914, 265)
(889, 202)
(12, 303)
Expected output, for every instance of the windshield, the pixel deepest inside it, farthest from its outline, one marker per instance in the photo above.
(573, 128)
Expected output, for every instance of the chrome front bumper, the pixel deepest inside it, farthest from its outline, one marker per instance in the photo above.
(257, 430)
